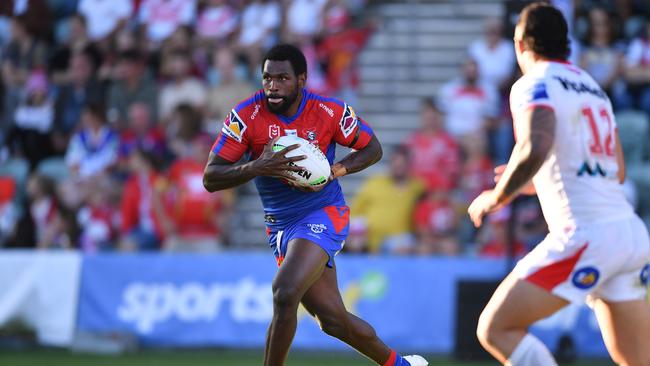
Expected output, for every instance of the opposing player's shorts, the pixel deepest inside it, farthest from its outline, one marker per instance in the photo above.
(327, 228)
(610, 261)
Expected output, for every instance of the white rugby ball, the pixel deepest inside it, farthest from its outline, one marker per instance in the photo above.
(316, 168)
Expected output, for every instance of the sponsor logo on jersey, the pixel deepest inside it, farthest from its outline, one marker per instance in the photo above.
(327, 109)
(581, 87)
(291, 132)
(585, 278)
(274, 131)
(234, 127)
(255, 112)
(645, 275)
(317, 228)
(348, 121)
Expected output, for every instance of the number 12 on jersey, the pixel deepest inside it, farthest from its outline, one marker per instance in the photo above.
(601, 144)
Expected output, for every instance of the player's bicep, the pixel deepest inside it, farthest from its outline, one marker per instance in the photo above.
(620, 158)
(352, 131)
(536, 130)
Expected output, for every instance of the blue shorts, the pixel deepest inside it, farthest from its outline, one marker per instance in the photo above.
(327, 228)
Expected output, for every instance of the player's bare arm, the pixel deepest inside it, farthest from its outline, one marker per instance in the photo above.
(620, 159)
(221, 174)
(359, 160)
(535, 137)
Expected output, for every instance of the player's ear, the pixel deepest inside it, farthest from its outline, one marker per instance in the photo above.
(302, 80)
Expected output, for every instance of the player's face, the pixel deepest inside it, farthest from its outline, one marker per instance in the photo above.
(281, 85)
(519, 44)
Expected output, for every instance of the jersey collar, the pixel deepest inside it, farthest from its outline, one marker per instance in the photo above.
(301, 107)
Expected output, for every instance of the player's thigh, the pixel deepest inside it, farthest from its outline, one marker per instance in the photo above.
(323, 299)
(303, 265)
(626, 330)
(516, 304)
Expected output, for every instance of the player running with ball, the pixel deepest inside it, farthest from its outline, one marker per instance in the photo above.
(306, 226)
(597, 248)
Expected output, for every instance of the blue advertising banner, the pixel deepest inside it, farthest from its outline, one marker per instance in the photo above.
(225, 300)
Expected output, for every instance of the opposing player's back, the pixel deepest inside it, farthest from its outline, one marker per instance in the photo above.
(578, 182)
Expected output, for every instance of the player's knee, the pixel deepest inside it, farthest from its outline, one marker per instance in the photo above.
(334, 327)
(285, 297)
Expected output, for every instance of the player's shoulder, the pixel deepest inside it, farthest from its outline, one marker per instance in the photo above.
(239, 119)
(325, 105)
(250, 106)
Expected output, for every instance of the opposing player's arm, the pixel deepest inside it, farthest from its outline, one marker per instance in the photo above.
(221, 173)
(535, 137)
(620, 159)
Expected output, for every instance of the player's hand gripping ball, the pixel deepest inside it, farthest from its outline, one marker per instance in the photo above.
(316, 167)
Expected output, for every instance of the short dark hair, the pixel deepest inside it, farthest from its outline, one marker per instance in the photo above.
(545, 31)
(428, 102)
(96, 109)
(287, 52)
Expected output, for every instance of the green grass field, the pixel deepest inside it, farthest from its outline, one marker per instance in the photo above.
(41, 357)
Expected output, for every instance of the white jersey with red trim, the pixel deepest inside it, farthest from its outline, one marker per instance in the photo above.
(577, 184)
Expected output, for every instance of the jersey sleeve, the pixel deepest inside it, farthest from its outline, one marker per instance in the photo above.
(530, 93)
(232, 142)
(352, 131)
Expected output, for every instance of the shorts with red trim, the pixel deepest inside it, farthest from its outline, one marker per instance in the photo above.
(610, 261)
(327, 228)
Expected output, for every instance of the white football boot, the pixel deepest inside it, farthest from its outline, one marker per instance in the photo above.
(416, 360)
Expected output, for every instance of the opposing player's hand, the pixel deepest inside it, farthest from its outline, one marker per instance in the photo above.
(528, 189)
(276, 164)
(485, 203)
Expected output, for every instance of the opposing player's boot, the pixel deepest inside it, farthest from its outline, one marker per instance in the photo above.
(416, 360)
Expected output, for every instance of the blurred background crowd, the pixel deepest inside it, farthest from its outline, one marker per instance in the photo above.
(110, 107)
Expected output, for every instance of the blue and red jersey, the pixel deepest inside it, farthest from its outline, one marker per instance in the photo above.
(323, 121)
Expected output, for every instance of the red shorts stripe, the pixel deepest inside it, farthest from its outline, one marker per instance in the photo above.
(555, 273)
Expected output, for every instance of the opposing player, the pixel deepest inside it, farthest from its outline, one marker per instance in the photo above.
(306, 227)
(597, 248)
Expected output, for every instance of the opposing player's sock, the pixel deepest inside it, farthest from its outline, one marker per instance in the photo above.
(531, 352)
(395, 359)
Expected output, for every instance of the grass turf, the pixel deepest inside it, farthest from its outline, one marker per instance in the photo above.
(39, 357)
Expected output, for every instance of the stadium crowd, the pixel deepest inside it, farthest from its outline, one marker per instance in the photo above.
(109, 109)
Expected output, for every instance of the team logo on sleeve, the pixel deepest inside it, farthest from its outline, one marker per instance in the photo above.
(585, 278)
(234, 127)
(348, 121)
(537, 93)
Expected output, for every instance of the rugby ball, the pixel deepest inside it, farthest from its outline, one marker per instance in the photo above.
(316, 168)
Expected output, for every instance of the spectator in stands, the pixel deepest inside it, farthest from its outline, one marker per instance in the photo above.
(387, 202)
(185, 125)
(142, 204)
(435, 154)
(142, 133)
(78, 41)
(436, 224)
(8, 209)
(304, 19)
(494, 55)
(82, 89)
(33, 120)
(637, 73)
(96, 218)
(36, 13)
(104, 17)
(470, 105)
(600, 56)
(496, 239)
(52, 224)
(182, 89)
(197, 219)
(260, 21)
(229, 89)
(134, 84)
(161, 18)
(23, 54)
(217, 22)
(477, 174)
(93, 150)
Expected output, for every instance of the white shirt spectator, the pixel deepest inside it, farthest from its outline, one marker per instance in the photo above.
(190, 91)
(467, 108)
(305, 17)
(92, 152)
(495, 65)
(35, 117)
(162, 17)
(258, 20)
(638, 54)
(102, 16)
(217, 22)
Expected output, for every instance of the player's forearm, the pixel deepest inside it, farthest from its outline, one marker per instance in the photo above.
(361, 159)
(218, 177)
